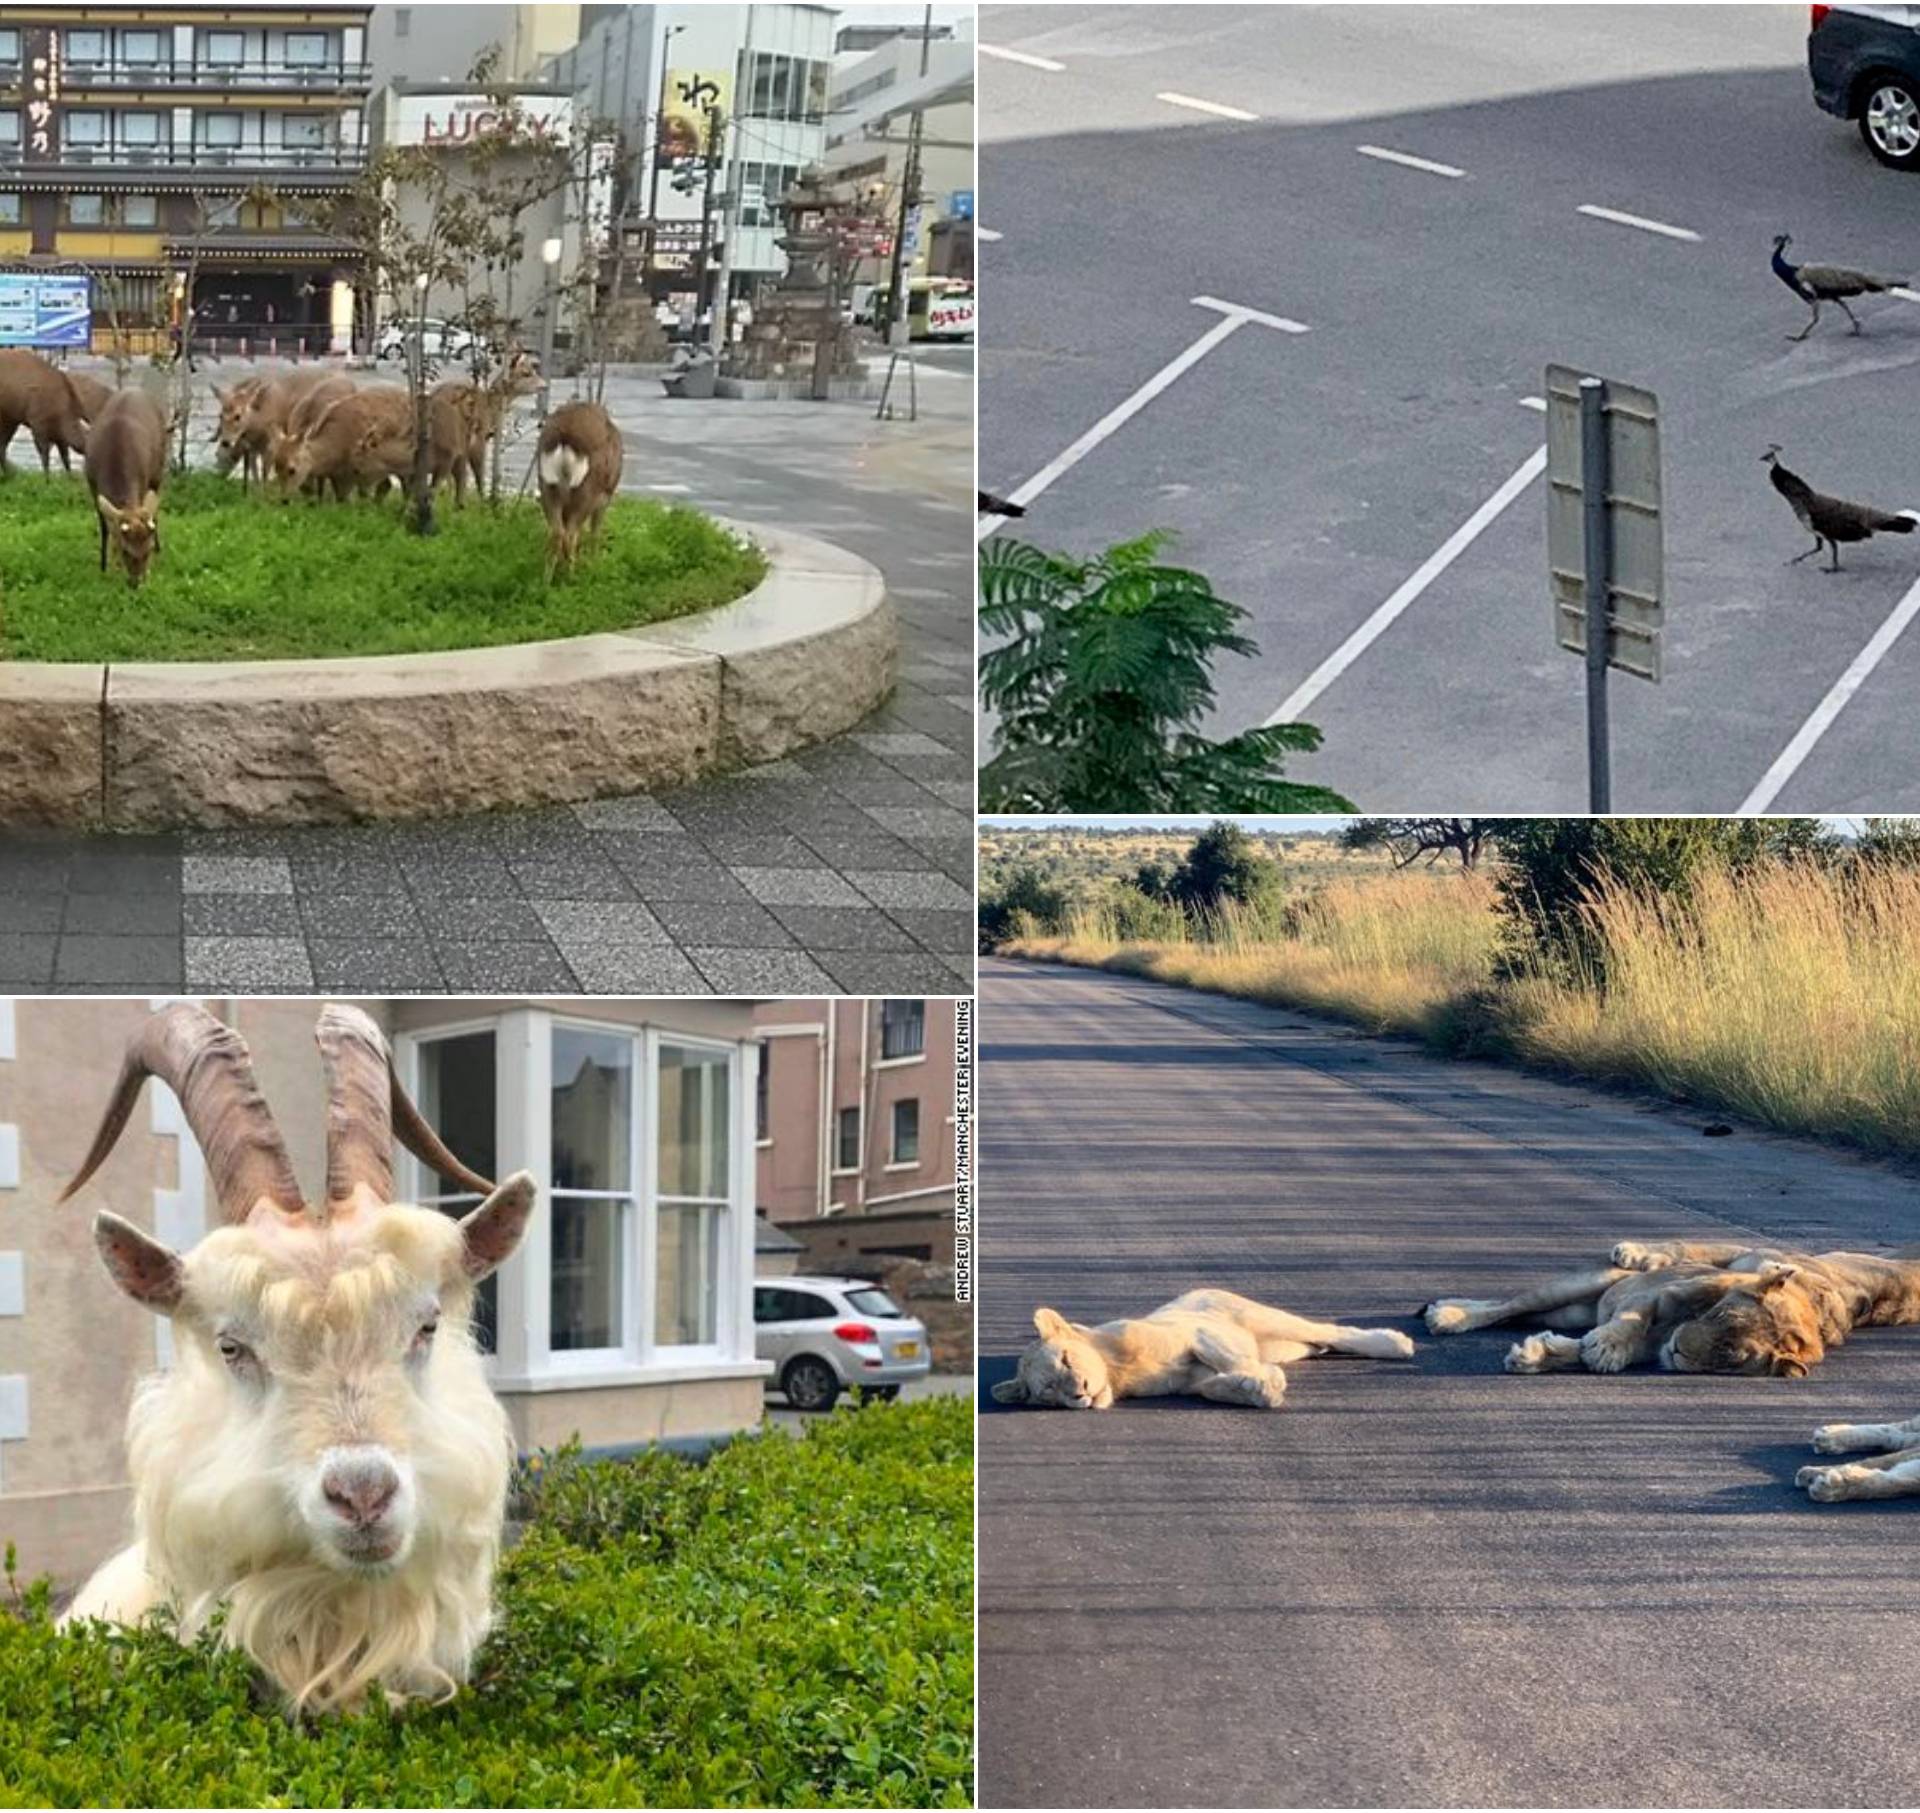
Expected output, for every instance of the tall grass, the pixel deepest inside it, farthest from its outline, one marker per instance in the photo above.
(1789, 995)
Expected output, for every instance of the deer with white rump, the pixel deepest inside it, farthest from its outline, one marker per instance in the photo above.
(324, 1460)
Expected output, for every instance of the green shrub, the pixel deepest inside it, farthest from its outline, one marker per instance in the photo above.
(244, 577)
(789, 1623)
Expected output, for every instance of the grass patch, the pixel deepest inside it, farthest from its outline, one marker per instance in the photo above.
(789, 1623)
(242, 577)
(1789, 994)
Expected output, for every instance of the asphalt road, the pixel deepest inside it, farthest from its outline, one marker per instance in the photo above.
(1425, 1584)
(1313, 475)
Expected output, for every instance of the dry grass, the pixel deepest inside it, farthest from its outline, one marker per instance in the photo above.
(1791, 996)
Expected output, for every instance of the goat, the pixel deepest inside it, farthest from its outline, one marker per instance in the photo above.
(43, 399)
(579, 460)
(126, 461)
(325, 1460)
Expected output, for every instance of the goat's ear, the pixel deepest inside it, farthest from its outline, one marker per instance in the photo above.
(1051, 1324)
(493, 1230)
(1010, 1391)
(147, 1271)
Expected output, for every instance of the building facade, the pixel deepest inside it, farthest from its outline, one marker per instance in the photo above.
(141, 143)
(626, 1317)
(441, 43)
(854, 1129)
(653, 72)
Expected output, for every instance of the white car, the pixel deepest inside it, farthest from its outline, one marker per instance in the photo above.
(824, 1336)
(438, 339)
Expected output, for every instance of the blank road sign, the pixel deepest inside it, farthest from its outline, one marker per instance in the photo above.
(1636, 603)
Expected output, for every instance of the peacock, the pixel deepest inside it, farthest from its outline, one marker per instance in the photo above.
(1818, 283)
(1830, 520)
(998, 506)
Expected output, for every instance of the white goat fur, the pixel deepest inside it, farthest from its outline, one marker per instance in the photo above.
(220, 1465)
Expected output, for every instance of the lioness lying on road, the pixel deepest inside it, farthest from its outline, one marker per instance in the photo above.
(1208, 1342)
(1892, 1474)
(1700, 1306)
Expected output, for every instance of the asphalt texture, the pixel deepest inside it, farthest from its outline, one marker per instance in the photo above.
(1425, 1584)
(1311, 476)
(845, 869)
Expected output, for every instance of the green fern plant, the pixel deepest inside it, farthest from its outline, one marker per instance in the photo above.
(1099, 673)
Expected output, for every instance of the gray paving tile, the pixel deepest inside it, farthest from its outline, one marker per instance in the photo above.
(97, 870)
(347, 875)
(892, 888)
(763, 972)
(892, 743)
(364, 916)
(814, 887)
(485, 921)
(21, 914)
(236, 875)
(776, 852)
(844, 929)
(701, 880)
(242, 916)
(616, 967)
(737, 924)
(891, 973)
(943, 929)
(570, 922)
(120, 915)
(376, 966)
(889, 789)
(639, 813)
(137, 965)
(34, 870)
(239, 966)
(499, 967)
(26, 958)
(582, 879)
(870, 851)
(458, 877)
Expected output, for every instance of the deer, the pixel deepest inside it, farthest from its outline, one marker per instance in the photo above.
(302, 414)
(330, 451)
(126, 460)
(578, 460)
(324, 1462)
(44, 400)
(245, 435)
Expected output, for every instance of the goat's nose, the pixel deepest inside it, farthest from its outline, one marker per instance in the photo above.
(360, 1491)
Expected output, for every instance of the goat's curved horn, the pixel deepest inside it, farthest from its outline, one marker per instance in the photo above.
(205, 1064)
(366, 1108)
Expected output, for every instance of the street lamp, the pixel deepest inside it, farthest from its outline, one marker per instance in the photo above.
(550, 250)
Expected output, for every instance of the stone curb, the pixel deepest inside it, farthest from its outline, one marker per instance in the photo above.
(803, 657)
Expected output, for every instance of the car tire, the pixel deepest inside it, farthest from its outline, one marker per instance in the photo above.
(1890, 119)
(810, 1383)
(875, 1394)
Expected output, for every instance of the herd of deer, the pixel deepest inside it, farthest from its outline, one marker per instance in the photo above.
(311, 430)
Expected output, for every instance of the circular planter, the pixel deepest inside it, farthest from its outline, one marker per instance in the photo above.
(804, 656)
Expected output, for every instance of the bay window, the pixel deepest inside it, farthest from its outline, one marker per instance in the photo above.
(455, 1089)
(592, 1203)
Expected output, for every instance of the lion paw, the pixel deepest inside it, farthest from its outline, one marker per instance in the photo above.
(1529, 1355)
(1602, 1350)
(1833, 1438)
(1829, 1485)
(1395, 1345)
(1449, 1315)
(1636, 1256)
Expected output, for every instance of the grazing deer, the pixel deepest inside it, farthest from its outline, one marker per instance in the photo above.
(303, 413)
(126, 461)
(324, 1461)
(579, 460)
(233, 444)
(331, 452)
(42, 399)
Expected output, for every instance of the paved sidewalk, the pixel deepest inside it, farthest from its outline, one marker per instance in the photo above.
(848, 868)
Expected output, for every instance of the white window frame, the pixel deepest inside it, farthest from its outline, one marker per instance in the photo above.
(742, 1067)
(894, 1161)
(910, 1057)
(859, 1112)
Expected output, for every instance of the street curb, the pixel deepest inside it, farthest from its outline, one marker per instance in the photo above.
(803, 657)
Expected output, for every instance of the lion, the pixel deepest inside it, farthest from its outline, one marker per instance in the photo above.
(1209, 1343)
(1892, 1473)
(1698, 1306)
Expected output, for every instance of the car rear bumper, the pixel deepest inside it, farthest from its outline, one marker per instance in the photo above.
(888, 1371)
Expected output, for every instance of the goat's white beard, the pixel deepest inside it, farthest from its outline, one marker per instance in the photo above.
(220, 1526)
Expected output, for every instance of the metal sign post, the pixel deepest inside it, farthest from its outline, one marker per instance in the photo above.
(1605, 553)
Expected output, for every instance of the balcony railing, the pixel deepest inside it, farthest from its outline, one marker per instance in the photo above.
(199, 157)
(187, 72)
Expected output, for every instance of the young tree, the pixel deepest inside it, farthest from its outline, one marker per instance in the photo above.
(1224, 866)
(1101, 679)
(1407, 840)
(1024, 896)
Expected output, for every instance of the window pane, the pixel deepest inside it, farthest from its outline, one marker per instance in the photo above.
(9, 210)
(221, 128)
(873, 1301)
(685, 1263)
(140, 46)
(903, 1028)
(9, 126)
(86, 46)
(306, 47)
(139, 129)
(592, 1110)
(846, 1155)
(9, 45)
(906, 1133)
(694, 1122)
(588, 1287)
(225, 47)
(456, 1096)
(138, 211)
(86, 128)
(86, 210)
(761, 1089)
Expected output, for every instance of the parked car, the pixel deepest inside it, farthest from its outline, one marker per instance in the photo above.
(829, 1335)
(1865, 65)
(438, 339)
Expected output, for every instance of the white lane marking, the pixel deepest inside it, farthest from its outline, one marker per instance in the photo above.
(1199, 106)
(1407, 158)
(1234, 317)
(1636, 220)
(680, 490)
(1833, 704)
(1019, 56)
(1429, 570)
(1539, 403)
(1905, 294)
(983, 233)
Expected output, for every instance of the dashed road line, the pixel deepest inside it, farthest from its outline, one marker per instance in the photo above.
(1019, 56)
(1409, 160)
(1199, 106)
(1429, 570)
(1833, 704)
(985, 233)
(1233, 318)
(1636, 220)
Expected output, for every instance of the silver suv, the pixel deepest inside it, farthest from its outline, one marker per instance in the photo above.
(829, 1335)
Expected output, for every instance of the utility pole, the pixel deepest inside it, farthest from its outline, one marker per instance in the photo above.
(717, 335)
(909, 196)
(653, 180)
(706, 213)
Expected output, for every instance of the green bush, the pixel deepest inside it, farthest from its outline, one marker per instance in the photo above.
(789, 1623)
(244, 577)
